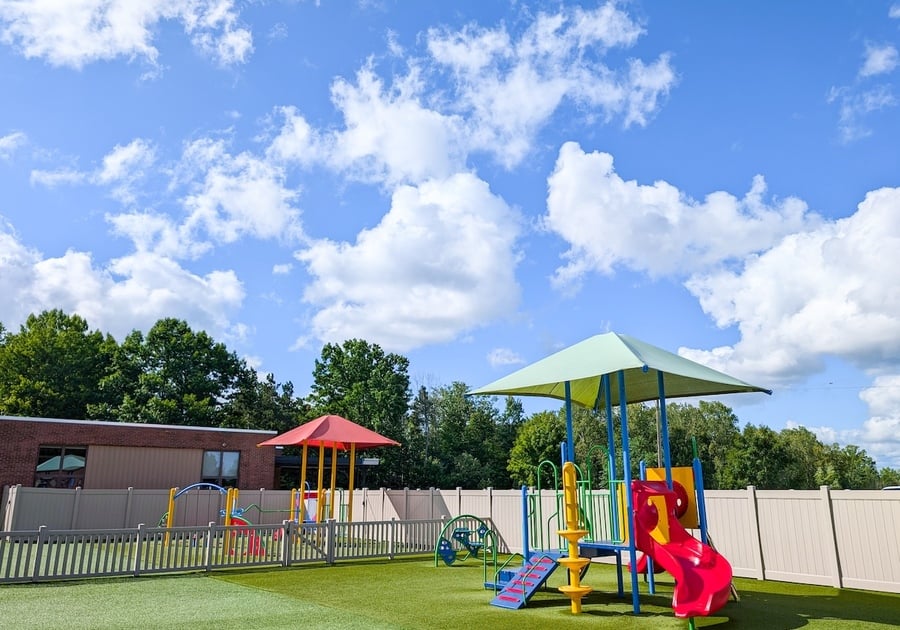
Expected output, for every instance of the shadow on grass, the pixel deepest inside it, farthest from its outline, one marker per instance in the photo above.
(783, 606)
(782, 611)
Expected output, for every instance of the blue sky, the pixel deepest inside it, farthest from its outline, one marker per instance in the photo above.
(471, 184)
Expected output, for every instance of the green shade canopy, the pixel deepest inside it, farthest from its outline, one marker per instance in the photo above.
(584, 363)
(57, 463)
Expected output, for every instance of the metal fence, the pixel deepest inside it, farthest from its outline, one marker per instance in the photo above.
(47, 554)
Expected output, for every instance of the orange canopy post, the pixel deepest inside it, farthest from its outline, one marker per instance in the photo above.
(333, 432)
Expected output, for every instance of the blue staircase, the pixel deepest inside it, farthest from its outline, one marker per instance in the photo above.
(527, 580)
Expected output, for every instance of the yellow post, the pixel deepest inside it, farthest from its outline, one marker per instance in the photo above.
(333, 479)
(303, 482)
(170, 514)
(574, 590)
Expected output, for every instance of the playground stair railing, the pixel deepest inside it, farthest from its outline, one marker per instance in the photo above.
(527, 580)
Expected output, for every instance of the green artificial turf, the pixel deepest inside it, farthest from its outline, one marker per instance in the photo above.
(411, 594)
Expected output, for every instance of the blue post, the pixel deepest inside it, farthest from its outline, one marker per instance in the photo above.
(570, 438)
(525, 550)
(629, 503)
(664, 429)
(611, 459)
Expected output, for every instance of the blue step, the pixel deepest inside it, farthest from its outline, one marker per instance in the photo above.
(527, 580)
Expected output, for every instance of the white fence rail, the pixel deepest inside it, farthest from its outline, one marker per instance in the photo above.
(843, 538)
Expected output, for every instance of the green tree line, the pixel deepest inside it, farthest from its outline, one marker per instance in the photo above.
(55, 366)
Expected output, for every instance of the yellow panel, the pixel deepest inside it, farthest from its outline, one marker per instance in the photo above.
(684, 475)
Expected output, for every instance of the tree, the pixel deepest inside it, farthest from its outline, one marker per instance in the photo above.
(52, 367)
(358, 381)
(714, 427)
(538, 440)
(758, 458)
(888, 477)
(847, 468)
(422, 469)
(173, 376)
(265, 404)
(806, 459)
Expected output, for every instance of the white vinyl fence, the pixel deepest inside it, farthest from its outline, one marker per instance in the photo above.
(843, 538)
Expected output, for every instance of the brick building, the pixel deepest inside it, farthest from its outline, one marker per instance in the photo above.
(46, 452)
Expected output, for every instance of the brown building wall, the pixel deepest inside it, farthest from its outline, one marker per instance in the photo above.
(21, 438)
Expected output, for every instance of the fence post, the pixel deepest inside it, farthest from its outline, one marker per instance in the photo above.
(286, 536)
(756, 538)
(330, 541)
(138, 547)
(76, 504)
(209, 545)
(835, 559)
(405, 514)
(459, 508)
(393, 538)
(42, 538)
(10, 508)
(490, 497)
(128, 502)
(431, 507)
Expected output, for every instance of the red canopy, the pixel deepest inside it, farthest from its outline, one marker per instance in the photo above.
(330, 431)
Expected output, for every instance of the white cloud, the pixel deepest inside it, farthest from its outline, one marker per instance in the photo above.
(52, 179)
(894, 11)
(78, 32)
(281, 270)
(441, 262)
(390, 136)
(508, 87)
(828, 291)
(879, 60)
(296, 141)
(131, 292)
(610, 222)
(856, 106)
(232, 196)
(499, 357)
(120, 171)
(502, 90)
(124, 167)
(158, 233)
(10, 143)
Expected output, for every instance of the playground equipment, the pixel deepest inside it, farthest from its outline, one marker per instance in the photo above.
(202, 503)
(613, 369)
(467, 536)
(335, 433)
(702, 576)
(573, 562)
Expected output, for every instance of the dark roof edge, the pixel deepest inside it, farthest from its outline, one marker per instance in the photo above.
(136, 425)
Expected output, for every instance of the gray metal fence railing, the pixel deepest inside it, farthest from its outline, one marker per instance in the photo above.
(47, 555)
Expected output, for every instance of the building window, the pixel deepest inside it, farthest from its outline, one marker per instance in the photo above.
(60, 466)
(221, 468)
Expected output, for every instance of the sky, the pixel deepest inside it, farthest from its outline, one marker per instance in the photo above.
(473, 184)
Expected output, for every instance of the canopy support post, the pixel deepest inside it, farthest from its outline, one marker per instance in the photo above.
(629, 503)
(664, 426)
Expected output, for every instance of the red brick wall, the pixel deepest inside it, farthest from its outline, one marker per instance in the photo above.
(20, 439)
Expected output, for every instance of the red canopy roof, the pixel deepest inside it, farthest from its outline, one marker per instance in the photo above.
(330, 431)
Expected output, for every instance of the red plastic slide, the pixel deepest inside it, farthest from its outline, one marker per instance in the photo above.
(702, 576)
